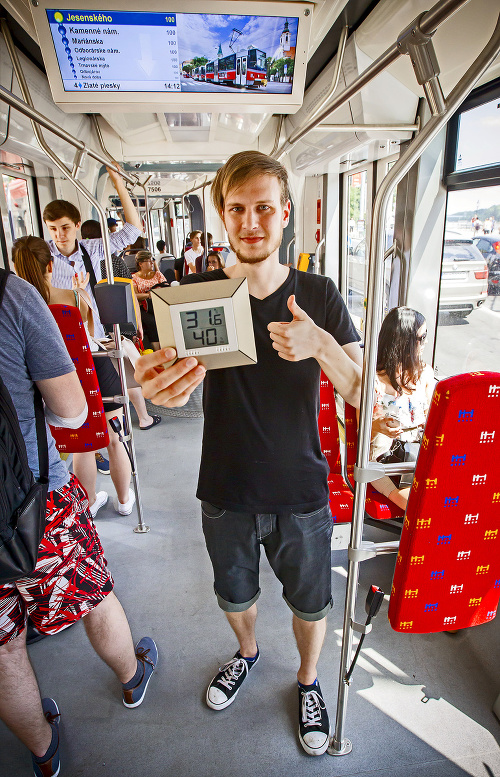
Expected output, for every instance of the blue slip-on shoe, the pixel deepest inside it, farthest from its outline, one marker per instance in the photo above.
(51, 766)
(147, 655)
(102, 464)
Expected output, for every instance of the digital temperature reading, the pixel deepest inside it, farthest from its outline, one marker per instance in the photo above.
(204, 327)
(211, 321)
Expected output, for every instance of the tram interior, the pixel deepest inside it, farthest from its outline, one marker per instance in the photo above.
(419, 704)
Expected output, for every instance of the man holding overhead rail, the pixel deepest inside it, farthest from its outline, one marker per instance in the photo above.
(63, 220)
(263, 478)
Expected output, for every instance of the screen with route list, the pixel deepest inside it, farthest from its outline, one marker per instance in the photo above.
(132, 51)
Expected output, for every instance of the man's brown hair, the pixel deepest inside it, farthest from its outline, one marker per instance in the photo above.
(59, 209)
(240, 168)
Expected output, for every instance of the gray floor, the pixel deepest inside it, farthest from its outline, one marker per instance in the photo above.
(418, 705)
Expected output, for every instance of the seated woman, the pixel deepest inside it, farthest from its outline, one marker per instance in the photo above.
(147, 276)
(403, 392)
(33, 262)
(215, 261)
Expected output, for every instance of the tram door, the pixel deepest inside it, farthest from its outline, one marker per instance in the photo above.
(241, 71)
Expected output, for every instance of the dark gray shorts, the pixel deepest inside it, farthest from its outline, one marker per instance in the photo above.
(297, 546)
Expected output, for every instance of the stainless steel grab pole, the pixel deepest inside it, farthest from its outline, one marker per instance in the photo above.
(339, 745)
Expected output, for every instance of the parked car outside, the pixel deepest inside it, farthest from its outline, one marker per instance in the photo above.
(489, 246)
(464, 277)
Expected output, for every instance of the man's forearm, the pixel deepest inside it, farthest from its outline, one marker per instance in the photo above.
(129, 210)
(342, 370)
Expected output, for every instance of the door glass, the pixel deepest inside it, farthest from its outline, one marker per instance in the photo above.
(356, 245)
(238, 63)
(244, 65)
(18, 206)
(468, 331)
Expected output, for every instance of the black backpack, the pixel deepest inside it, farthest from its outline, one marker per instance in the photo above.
(23, 499)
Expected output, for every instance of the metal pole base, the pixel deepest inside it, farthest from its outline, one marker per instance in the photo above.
(141, 529)
(345, 748)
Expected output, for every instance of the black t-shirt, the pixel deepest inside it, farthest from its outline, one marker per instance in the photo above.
(261, 449)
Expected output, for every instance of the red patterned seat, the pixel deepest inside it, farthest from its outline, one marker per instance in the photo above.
(341, 498)
(93, 434)
(448, 568)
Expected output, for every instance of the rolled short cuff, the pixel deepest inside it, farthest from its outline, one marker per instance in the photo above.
(236, 607)
(310, 616)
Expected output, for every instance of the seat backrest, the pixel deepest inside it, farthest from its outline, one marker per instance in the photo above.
(93, 434)
(165, 264)
(328, 425)
(448, 568)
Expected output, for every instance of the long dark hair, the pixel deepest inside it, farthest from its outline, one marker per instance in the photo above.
(31, 256)
(398, 353)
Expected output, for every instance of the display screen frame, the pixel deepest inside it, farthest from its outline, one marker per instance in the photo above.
(227, 303)
(242, 99)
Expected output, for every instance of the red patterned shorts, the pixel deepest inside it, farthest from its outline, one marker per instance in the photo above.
(71, 576)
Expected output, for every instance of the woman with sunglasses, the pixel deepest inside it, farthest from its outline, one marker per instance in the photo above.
(403, 393)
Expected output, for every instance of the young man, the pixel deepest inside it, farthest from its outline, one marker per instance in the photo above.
(63, 220)
(71, 579)
(192, 254)
(263, 478)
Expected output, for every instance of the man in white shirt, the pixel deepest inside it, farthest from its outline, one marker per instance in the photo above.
(193, 253)
(63, 220)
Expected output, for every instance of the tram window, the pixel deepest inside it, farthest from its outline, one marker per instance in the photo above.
(478, 137)
(357, 196)
(18, 206)
(468, 331)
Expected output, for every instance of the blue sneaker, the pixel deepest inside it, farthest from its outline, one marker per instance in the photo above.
(147, 655)
(52, 766)
(102, 464)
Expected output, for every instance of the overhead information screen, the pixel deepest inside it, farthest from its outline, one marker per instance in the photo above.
(198, 57)
(125, 51)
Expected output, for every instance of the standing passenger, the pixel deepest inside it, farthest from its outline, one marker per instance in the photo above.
(263, 478)
(63, 220)
(71, 579)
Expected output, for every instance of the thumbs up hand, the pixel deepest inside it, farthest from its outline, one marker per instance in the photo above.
(297, 339)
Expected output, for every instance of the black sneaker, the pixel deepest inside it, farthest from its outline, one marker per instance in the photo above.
(224, 687)
(314, 726)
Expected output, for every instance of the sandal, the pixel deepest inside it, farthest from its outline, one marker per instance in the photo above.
(155, 422)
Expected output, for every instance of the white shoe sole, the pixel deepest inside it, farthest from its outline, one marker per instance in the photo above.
(224, 703)
(314, 750)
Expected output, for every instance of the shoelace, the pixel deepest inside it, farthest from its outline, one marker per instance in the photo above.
(142, 655)
(52, 717)
(232, 670)
(312, 704)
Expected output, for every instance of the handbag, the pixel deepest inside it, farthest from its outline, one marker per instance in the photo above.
(400, 451)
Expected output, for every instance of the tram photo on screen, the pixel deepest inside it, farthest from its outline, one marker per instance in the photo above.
(127, 51)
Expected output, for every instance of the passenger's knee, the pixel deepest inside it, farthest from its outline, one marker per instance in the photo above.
(13, 648)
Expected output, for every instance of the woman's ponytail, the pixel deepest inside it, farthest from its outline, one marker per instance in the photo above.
(31, 256)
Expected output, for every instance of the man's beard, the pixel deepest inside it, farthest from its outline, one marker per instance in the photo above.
(257, 258)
